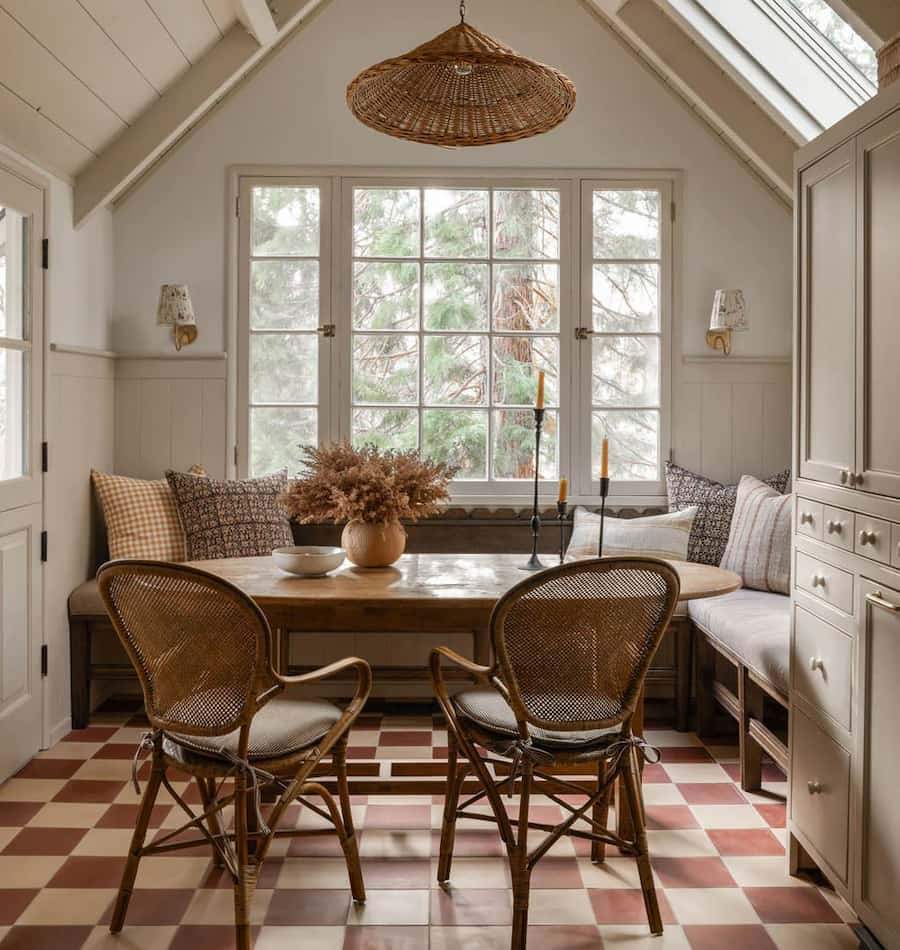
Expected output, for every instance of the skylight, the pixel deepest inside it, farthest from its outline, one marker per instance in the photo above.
(841, 35)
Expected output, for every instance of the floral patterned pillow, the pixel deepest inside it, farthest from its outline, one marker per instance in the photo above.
(231, 518)
(715, 508)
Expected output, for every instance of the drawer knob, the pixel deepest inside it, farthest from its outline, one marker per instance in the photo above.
(814, 788)
(818, 580)
(816, 663)
(835, 527)
(806, 517)
(868, 537)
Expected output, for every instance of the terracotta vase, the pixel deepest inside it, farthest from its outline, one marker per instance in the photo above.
(370, 544)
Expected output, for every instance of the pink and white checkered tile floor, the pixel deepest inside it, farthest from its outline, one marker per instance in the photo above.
(718, 854)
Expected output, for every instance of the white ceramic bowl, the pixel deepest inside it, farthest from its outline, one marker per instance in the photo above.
(308, 560)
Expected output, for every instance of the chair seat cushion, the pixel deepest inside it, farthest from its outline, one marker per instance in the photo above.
(85, 600)
(286, 725)
(755, 626)
(487, 709)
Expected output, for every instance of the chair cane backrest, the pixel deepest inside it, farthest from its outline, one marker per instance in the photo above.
(573, 643)
(200, 645)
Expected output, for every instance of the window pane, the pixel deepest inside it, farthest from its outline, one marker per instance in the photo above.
(456, 296)
(526, 297)
(517, 361)
(457, 437)
(456, 370)
(626, 370)
(12, 413)
(285, 221)
(841, 35)
(386, 222)
(284, 367)
(385, 296)
(13, 280)
(626, 298)
(385, 368)
(526, 223)
(626, 224)
(514, 444)
(456, 223)
(386, 428)
(284, 295)
(276, 436)
(633, 444)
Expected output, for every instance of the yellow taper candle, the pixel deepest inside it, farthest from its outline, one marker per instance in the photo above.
(540, 395)
(563, 489)
(604, 459)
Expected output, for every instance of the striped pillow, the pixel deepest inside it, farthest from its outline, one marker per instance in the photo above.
(759, 546)
(664, 536)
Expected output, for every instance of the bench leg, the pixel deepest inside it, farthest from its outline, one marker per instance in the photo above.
(706, 674)
(751, 699)
(683, 660)
(80, 661)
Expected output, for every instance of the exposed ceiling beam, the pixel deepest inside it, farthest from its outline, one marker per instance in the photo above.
(159, 127)
(257, 19)
(875, 20)
(724, 105)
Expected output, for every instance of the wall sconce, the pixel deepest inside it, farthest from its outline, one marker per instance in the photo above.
(176, 310)
(729, 315)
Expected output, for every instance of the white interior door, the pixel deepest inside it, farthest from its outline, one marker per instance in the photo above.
(21, 489)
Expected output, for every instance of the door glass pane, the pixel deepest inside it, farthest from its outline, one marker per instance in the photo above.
(285, 222)
(385, 368)
(626, 370)
(13, 285)
(526, 297)
(456, 369)
(456, 223)
(633, 444)
(626, 298)
(13, 363)
(459, 438)
(276, 435)
(514, 444)
(517, 362)
(284, 367)
(456, 296)
(526, 223)
(385, 295)
(386, 428)
(626, 224)
(386, 222)
(284, 295)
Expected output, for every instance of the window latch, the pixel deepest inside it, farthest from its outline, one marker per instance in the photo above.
(582, 333)
(327, 329)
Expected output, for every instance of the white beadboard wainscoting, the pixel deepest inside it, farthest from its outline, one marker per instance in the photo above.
(171, 413)
(731, 416)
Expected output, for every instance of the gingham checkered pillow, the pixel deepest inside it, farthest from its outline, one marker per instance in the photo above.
(141, 517)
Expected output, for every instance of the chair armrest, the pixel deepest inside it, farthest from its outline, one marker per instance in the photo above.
(482, 672)
(363, 680)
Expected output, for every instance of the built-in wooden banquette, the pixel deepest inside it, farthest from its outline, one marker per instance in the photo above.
(845, 663)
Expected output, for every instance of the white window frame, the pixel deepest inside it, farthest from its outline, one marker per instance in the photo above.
(575, 308)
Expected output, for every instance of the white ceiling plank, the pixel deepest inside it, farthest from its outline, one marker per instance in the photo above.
(189, 23)
(258, 19)
(136, 30)
(38, 139)
(223, 12)
(34, 74)
(75, 39)
(170, 117)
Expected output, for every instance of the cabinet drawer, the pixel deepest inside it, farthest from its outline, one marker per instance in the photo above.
(872, 538)
(838, 527)
(809, 518)
(822, 666)
(820, 791)
(828, 583)
(895, 545)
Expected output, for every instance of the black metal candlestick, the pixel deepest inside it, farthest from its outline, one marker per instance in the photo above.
(534, 562)
(561, 508)
(604, 491)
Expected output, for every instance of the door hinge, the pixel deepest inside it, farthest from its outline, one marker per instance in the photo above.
(43, 546)
(235, 456)
(45, 458)
(672, 210)
(582, 333)
(237, 206)
(45, 253)
(45, 661)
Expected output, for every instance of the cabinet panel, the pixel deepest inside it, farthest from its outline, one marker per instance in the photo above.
(879, 674)
(822, 665)
(878, 282)
(827, 317)
(828, 583)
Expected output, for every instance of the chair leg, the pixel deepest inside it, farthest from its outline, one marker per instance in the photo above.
(632, 788)
(521, 874)
(137, 843)
(245, 885)
(455, 776)
(601, 814)
(348, 840)
(207, 788)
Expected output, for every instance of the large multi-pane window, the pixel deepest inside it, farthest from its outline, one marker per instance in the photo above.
(455, 309)
(418, 314)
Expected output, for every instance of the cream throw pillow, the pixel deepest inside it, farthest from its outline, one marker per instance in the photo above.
(759, 546)
(665, 536)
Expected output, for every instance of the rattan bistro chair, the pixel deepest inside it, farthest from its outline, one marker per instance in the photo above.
(218, 710)
(572, 646)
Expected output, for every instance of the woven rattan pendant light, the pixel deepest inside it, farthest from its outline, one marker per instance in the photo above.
(462, 88)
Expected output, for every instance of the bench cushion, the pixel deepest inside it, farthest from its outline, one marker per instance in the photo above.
(85, 600)
(755, 626)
